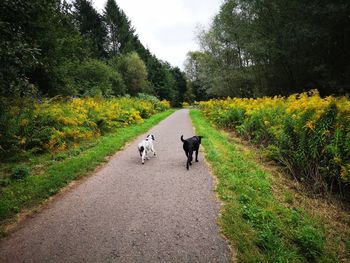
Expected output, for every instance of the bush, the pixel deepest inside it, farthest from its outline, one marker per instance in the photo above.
(53, 125)
(19, 172)
(4, 182)
(185, 105)
(95, 78)
(308, 134)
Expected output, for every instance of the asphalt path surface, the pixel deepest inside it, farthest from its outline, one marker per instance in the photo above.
(129, 212)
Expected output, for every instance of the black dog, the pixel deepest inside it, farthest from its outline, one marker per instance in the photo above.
(190, 145)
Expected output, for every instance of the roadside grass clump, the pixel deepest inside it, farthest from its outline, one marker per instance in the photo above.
(58, 171)
(19, 172)
(260, 228)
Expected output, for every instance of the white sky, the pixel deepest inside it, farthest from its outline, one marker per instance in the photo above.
(167, 27)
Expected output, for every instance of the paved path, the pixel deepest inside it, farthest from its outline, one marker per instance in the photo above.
(128, 212)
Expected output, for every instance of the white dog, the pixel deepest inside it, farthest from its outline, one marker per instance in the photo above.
(145, 146)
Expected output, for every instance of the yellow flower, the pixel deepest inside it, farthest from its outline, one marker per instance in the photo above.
(310, 124)
(24, 122)
(337, 159)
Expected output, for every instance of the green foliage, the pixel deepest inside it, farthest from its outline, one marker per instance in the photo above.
(59, 157)
(121, 38)
(19, 172)
(52, 47)
(32, 190)
(256, 48)
(180, 86)
(260, 227)
(91, 26)
(4, 182)
(33, 127)
(95, 78)
(310, 242)
(259, 125)
(134, 72)
(304, 150)
(307, 134)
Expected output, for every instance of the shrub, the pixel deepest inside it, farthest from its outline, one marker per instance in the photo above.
(19, 172)
(308, 134)
(185, 105)
(95, 78)
(4, 182)
(53, 125)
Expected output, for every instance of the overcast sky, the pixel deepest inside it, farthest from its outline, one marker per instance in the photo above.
(167, 27)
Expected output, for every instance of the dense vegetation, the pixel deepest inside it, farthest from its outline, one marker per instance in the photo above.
(267, 220)
(54, 125)
(68, 75)
(50, 48)
(30, 183)
(308, 134)
(277, 47)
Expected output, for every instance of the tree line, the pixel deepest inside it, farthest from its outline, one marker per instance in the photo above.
(52, 47)
(258, 47)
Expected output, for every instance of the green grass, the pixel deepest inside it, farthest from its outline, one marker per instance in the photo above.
(65, 167)
(260, 228)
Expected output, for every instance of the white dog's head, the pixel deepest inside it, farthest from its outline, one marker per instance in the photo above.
(150, 137)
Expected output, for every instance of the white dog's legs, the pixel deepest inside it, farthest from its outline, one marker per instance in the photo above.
(152, 149)
(143, 156)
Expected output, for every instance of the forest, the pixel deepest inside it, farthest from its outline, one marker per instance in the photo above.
(277, 47)
(55, 48)
(251, 49)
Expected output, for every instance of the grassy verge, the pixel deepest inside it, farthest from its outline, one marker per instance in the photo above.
(260, 228)
(34, 189)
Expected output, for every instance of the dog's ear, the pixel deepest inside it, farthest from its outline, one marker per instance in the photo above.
(153, 138)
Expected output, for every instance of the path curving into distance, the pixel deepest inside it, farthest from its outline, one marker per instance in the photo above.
(129, 212)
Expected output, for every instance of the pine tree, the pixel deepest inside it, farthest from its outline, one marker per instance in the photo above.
(91, 25)
(120, 33)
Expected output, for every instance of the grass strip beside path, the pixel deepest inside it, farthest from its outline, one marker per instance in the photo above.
(260, 228)
(32, 190)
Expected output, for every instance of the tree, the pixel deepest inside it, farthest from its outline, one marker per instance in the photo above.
(199, 72)
(272, 47)
(180, 86)
(134, 73)
(38, 39)
(120, 32)
(110, 16)
(91, 26)
(95, 78)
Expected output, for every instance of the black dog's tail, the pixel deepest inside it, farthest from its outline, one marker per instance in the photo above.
(182, 138)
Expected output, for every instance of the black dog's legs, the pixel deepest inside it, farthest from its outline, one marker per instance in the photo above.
(197, 156)
(189, 159)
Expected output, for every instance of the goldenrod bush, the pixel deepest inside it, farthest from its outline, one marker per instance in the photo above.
(309, 134)
(185, 104)
(52, 125)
